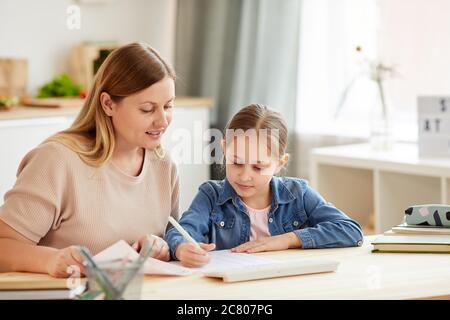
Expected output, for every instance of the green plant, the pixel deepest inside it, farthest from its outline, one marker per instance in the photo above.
(8, 101)
(61, 86)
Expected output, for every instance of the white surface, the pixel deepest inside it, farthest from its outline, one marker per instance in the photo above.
(275, 270)
(225, 260)
(361, 181)
(187, 128)
(37, 30)
(221, 261)
(403, 157)
(434, 126)
(17, 137)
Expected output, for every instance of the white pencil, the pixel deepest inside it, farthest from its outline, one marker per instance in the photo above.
(183, 232)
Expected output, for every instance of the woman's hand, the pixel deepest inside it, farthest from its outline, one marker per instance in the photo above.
(191, 256)
(65, 262)
(160, 249)
(274, 243)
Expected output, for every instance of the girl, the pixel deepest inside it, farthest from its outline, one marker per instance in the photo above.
(104, 179)
(252, 210)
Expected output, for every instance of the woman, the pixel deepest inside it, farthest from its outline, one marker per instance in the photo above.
(104, 179)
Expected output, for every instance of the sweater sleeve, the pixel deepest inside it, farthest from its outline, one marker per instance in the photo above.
(32, 207)
(175, 195)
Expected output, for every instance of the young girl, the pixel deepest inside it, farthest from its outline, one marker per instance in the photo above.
(252, 210)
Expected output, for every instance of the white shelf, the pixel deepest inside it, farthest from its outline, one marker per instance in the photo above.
(362, 181)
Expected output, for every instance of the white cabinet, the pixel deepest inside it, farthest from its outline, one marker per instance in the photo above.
(377, 186)
(186, 139)
(18, 136)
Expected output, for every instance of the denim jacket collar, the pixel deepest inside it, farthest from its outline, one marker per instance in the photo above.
(280, 193)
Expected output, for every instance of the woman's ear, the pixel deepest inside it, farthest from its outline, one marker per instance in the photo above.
(107, 104)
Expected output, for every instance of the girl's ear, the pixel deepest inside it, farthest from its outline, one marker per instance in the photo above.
(282, 162)
(107, 103)
(223, 145)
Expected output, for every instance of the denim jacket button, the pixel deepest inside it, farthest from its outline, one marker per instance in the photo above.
(222, 224)
(295, 223)
(359, 243)
(270, 220)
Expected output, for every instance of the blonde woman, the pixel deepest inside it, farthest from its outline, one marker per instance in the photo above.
(104, 179)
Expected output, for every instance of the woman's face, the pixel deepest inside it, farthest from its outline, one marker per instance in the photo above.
(141, 119)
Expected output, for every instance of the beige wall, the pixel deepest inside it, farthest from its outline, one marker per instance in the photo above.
(415, 38)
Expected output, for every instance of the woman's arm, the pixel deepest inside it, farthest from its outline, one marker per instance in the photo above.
(20, 254)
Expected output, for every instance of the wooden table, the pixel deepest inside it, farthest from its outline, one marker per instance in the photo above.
(360, 275)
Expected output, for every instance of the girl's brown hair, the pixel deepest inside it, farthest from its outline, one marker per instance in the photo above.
(127, 70)
(257, 116)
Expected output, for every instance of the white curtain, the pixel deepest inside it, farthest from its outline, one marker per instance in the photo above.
(330, 32)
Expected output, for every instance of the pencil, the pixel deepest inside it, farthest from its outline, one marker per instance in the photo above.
(183, 232)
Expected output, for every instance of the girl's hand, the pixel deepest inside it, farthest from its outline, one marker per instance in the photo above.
(65, 262)
(192, 257)
(160, 249)
(274, 243)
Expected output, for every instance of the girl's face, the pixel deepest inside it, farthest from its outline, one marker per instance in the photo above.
(141, 119)
(250, 166)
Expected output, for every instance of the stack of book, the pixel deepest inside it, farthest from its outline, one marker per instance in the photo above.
(28, 286)
(414, 239)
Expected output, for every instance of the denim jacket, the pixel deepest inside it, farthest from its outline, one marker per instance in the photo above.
(218, 215)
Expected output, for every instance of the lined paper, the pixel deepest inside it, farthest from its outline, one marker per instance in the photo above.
(221, 260)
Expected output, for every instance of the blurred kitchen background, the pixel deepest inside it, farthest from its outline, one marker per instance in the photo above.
(315, 61)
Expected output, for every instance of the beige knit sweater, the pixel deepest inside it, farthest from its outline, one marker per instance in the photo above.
(58, 200)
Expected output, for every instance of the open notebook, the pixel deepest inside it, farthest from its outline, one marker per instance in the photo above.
(224, 264)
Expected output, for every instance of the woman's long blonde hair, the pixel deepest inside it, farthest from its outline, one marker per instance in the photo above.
(127, 70)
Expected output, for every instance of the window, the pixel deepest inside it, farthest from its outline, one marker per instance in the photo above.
(409, 35)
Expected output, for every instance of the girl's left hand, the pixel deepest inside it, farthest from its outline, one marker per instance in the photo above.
(160, 249)
(274, 243)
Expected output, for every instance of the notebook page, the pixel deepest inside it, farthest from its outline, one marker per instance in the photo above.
(122, 250)
(221, 260)
(225, 260)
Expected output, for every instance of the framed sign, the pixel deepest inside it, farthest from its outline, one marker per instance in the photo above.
(434, 126)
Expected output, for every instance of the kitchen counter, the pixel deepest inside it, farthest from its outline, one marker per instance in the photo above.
(26, 112)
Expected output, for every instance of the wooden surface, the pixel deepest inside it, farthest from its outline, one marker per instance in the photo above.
(22, 280)
(13, 76)
(62, 102)
(25, 112)
(360, 275)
